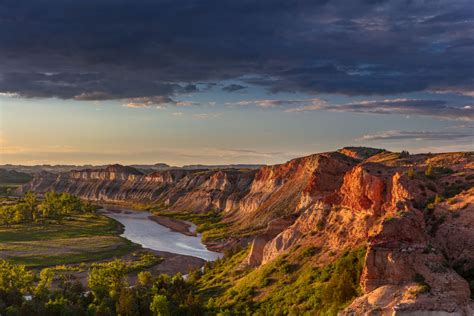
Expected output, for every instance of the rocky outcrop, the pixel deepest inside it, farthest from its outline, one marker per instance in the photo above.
(360, 153)
(256, 254)
(290, 188)
(420, 260)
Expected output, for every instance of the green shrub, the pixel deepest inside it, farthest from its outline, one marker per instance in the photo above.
(287, 268)
(310, 251)
(266, 282)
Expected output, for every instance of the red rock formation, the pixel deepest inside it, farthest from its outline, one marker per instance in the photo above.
(332, 201)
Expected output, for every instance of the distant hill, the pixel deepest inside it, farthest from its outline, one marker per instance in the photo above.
(12, 176)
(212, 167)
(144, 168)
(48, 168)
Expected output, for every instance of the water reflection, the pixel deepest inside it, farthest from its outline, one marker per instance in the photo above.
(141, 230)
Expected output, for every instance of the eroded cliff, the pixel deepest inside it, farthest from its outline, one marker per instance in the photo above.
(413, 213)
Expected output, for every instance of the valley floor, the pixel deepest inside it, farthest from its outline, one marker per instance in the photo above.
(80, 240)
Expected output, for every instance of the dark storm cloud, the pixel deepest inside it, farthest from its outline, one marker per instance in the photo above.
(122, 49)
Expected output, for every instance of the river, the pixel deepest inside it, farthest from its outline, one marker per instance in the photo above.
(141, 230)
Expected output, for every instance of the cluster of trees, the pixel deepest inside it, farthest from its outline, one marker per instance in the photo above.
(23, 293)
(162, 295)
(54, 206)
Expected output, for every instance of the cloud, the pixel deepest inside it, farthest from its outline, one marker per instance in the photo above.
(308, 104)
(444, 148)
(205, 116)
(146, 102)
(186, 103)
(157, 101)
(101, 50)
(247, 152)
(93, 96)
(467, 126)
(233, 88)
(466, 91)
(397, 135)
(8, 94)
(418, 107)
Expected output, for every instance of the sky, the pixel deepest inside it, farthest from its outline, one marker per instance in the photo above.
(220, 82)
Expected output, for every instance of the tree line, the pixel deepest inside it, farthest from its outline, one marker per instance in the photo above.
(24, 293)
(53, 206)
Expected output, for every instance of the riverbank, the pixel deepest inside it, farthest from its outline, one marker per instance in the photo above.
(174, 224)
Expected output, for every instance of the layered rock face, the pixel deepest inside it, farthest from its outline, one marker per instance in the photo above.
(414, 213)
(290, 188)
(179, 189)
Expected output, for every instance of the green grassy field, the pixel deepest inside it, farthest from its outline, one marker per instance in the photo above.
(78, 238)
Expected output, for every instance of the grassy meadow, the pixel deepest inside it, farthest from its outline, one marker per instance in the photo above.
(77, 238)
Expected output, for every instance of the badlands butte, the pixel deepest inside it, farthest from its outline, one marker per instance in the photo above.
(412, 216)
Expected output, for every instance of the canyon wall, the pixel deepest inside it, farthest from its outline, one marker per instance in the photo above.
(413, 213)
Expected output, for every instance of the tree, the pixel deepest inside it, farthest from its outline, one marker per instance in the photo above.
(50, 206)
(107, 279)
(22, 213)
(44, 283)
(68, 203)
(145, 278)
(160, 306)
(71, 288)
(57, 205)
(7, 215)
(128, 304)
(58, 306)
(31, 202)
(15, 277)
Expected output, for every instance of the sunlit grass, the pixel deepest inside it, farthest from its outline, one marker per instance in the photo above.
(78, 238)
